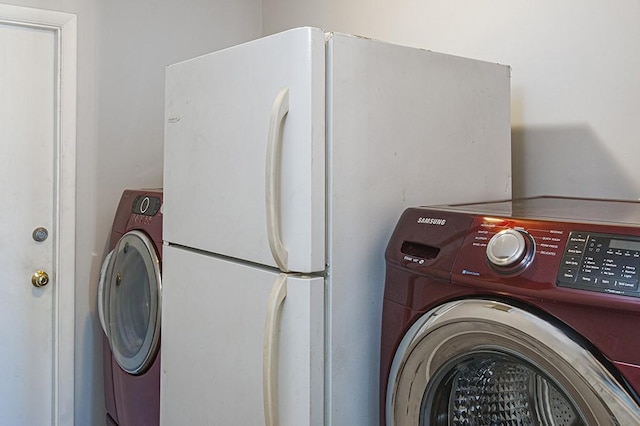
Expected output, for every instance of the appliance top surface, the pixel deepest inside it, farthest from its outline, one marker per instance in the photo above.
(558, 208)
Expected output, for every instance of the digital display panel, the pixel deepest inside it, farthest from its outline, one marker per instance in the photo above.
(624, 245)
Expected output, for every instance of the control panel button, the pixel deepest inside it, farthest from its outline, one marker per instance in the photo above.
(568, 274)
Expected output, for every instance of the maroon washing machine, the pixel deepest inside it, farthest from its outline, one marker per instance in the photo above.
(522, 312)
(129, 303)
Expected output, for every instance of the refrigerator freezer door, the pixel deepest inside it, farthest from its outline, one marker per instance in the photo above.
(227, 127)
(213, 348)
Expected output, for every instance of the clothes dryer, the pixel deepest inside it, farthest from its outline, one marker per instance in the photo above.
(519, 312)
(129, 305)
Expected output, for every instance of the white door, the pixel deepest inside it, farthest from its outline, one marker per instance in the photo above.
(221, 109)
(27, 117)
(216, 344)
(36, 284)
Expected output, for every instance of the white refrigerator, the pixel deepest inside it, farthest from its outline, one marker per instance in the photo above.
(288, 160)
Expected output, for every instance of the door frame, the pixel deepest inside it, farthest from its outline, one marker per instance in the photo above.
(64, 27)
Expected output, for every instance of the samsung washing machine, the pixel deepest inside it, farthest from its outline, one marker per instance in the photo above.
(129, 303)
(523, 312)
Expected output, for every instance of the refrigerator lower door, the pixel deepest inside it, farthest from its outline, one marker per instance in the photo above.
(220, 350)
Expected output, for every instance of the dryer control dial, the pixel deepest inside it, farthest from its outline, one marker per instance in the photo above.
(510, 250)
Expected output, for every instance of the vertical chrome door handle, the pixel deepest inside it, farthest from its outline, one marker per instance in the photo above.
(279, 109)
(270, 350)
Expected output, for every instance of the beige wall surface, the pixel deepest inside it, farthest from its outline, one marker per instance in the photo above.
(575, 91)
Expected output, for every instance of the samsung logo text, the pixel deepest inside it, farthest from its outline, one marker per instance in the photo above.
(432, 221)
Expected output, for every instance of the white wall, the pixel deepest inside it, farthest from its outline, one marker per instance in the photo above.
(279, 15)
(575, 67)
(123, 47)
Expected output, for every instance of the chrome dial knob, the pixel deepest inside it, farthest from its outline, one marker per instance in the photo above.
(510, 250)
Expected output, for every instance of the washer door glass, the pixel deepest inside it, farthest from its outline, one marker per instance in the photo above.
(133, 303)
(491, 388)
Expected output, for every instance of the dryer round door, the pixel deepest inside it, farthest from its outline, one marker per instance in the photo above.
(482, 362)
(131, 302)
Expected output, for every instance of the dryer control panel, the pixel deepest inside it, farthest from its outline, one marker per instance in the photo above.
(146, 205)
(601, 262)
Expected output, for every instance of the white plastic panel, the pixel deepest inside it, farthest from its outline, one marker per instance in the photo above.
(217, 110)
(213, 320)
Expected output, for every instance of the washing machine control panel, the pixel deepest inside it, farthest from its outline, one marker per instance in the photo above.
(601, 262)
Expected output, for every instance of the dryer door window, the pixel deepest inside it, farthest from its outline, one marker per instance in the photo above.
(133, 303)
(484, 362)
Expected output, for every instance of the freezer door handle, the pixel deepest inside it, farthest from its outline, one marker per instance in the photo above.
(279, 109)
(270, 350)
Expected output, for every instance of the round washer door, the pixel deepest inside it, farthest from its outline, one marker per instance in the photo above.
(482, 362)
(131, 302)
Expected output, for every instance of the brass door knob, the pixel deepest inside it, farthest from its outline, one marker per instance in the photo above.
(40, 279)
